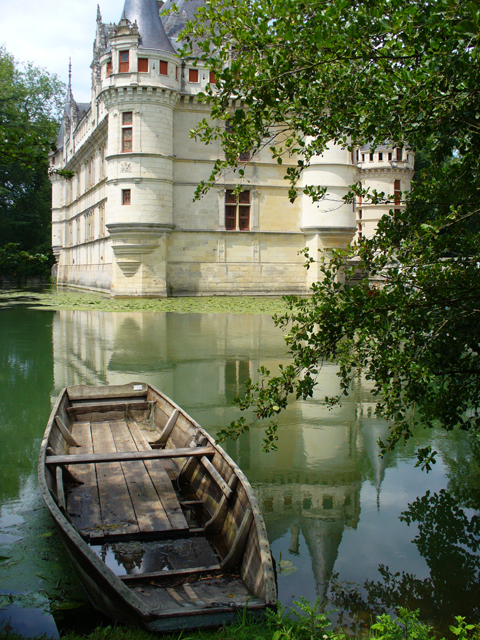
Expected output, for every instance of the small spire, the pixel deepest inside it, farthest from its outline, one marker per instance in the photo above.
(69, 77)
(99, 15)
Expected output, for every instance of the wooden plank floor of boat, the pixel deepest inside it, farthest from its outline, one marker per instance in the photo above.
(120, 498)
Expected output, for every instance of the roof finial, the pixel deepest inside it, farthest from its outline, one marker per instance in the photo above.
(69, 77)
(99, 15)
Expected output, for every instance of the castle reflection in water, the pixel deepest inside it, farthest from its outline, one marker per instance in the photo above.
(309, 490)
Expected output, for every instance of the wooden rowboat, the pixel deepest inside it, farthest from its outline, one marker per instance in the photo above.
(160, 524)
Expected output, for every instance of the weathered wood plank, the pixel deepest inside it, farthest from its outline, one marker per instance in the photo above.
(149, 510)
(69, 439)
(60, 490)
(170, 574)
(118, 514)
(227, 491)
(84, 392)
(83, 504)
(216, 521)
(232, 559)
(108, 457)
(108, 400)
(94, 407)
(168, 428)
(161, 481)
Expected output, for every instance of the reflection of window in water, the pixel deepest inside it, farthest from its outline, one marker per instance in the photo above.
(328, 502)
(268, 504)
(307, 503)
(287, 501)
(236, 372)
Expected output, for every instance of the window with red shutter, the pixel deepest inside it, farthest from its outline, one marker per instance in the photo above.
(109, 68)
(396, 191)
(143, 65)
(193, 75)
(163, 68)
(213, 79)
(399, 154)
(123, 61)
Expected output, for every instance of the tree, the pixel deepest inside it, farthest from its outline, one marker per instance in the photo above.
(354, 72)
(30, 103)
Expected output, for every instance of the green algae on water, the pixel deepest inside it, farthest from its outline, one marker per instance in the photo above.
(75, 300)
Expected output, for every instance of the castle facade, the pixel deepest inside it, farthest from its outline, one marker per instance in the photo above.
(126, 222)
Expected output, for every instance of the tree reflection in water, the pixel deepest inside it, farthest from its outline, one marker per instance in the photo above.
(449, 540)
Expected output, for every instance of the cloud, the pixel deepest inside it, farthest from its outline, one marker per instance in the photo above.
(50, 32)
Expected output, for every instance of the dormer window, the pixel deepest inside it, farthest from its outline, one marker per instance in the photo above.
(143, 65)
(123, 61)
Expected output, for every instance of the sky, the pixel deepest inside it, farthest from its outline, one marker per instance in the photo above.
(48, 32)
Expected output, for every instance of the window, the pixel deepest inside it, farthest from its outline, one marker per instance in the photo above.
(363, 157)
(123, 61)
(396, 191)
(237, 211)
(193, 75)
(126, 196)
(109, 68)
(127, 120)
(399, 154)
(143, 65)
(244, 157)
(360, 213)
(163, 68)
(357, 154)
(371, 157)
(389, 157)
(126, 140)
(213, 79)
(380, 157)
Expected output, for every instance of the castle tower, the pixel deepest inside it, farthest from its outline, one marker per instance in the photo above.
(329, 223)
(140, 82)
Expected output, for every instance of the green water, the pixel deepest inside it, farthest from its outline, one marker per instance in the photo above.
(332, 507)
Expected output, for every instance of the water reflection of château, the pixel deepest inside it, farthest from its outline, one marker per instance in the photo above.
(310, 487)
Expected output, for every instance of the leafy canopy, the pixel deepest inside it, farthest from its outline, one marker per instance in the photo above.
(295, 75)
(30, 103)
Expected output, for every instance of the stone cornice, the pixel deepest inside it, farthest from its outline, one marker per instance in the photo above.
(385, 171)
(118, 96)
(117, 229)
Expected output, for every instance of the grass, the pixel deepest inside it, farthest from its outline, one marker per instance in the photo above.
(74, 300)
(306, 623)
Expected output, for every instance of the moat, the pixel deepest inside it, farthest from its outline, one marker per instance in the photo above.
(333, 508)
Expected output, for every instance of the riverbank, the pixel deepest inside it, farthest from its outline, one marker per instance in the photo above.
(70, 300)
(308, 624)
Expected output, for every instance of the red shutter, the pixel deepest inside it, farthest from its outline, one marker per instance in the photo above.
(123, 62)
(193, 75)
(163, 68)
(143, 65)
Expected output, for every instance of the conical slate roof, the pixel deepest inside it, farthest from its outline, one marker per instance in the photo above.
(174, 22)
(152, 33)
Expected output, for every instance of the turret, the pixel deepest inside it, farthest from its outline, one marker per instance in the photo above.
(140, 84)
